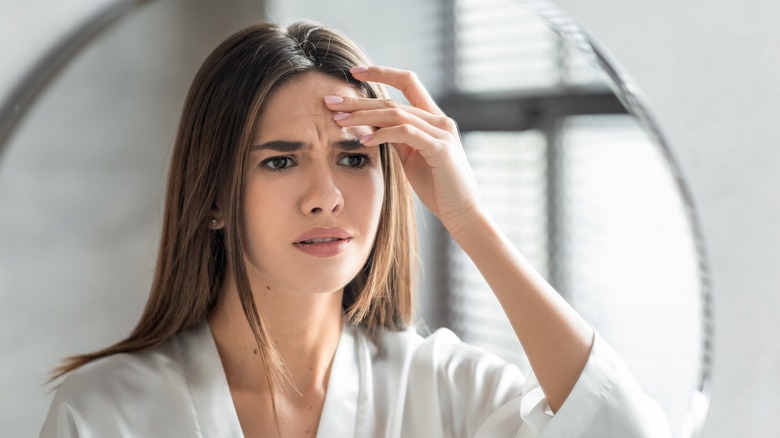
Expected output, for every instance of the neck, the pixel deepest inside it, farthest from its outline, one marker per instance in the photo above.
(304, 327)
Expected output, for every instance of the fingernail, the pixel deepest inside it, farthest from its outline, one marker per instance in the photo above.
(340, 116)
(332, 100)
(358, 69)
(366, 138)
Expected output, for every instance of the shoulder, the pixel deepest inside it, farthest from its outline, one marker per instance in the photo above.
(444, 356)
(122, 392)
(442, 349)
(409, 341)
(107, 380)
(439, 375)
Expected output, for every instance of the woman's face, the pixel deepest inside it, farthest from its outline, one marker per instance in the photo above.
(308, 182)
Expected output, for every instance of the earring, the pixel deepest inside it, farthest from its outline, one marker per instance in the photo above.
(213, 222)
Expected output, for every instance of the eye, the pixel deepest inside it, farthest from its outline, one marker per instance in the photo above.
(277, 163)
(354, 160)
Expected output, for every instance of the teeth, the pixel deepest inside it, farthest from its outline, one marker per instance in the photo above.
(321, 240)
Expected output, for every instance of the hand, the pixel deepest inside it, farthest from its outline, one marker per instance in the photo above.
(427, 142)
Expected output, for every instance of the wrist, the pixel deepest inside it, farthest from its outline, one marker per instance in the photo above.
(474, 225)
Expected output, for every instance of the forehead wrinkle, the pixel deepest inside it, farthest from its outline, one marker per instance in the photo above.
(297, 107)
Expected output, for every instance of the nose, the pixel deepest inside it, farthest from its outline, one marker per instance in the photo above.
(322, 195)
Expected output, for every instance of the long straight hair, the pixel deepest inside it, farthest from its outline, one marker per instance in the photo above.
(218, 122)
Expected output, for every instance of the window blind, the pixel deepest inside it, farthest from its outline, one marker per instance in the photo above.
(510, 169)
(500, 46)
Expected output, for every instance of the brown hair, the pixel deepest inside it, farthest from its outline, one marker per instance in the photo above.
(217, 125)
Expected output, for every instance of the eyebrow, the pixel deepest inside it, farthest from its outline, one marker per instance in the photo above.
(349, 144)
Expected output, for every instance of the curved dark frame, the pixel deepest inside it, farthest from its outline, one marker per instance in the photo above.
(30, 87)
(628, 93)
(48, 66)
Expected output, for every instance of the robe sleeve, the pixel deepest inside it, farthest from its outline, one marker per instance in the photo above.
(487, 397)
(60, 422)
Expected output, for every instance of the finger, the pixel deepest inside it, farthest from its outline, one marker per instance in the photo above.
(387, 117)
(405, 81)
(408, 135)
(350, 104)
(353, 103)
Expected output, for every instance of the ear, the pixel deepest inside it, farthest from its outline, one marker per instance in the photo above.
(216, 220)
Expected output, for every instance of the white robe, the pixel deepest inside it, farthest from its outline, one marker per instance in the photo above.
(396, 385)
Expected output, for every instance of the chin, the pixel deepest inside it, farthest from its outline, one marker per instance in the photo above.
(325, 278)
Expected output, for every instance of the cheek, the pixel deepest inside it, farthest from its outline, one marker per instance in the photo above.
(264, 211)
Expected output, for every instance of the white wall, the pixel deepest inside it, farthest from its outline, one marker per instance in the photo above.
(710, 71)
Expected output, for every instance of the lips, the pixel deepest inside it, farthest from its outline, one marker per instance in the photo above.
(323, 242)
(322, 235)
(320, 240)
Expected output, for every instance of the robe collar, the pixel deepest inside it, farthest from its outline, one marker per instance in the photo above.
(213, 404)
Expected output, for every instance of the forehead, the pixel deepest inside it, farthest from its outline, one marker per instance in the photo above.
(300, 99)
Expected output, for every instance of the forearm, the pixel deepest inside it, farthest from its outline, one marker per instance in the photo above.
(555, 338)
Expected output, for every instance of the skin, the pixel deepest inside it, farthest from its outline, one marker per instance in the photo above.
(555, 338)
(288, 192)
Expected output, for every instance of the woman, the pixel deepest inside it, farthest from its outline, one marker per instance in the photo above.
(282, 295)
